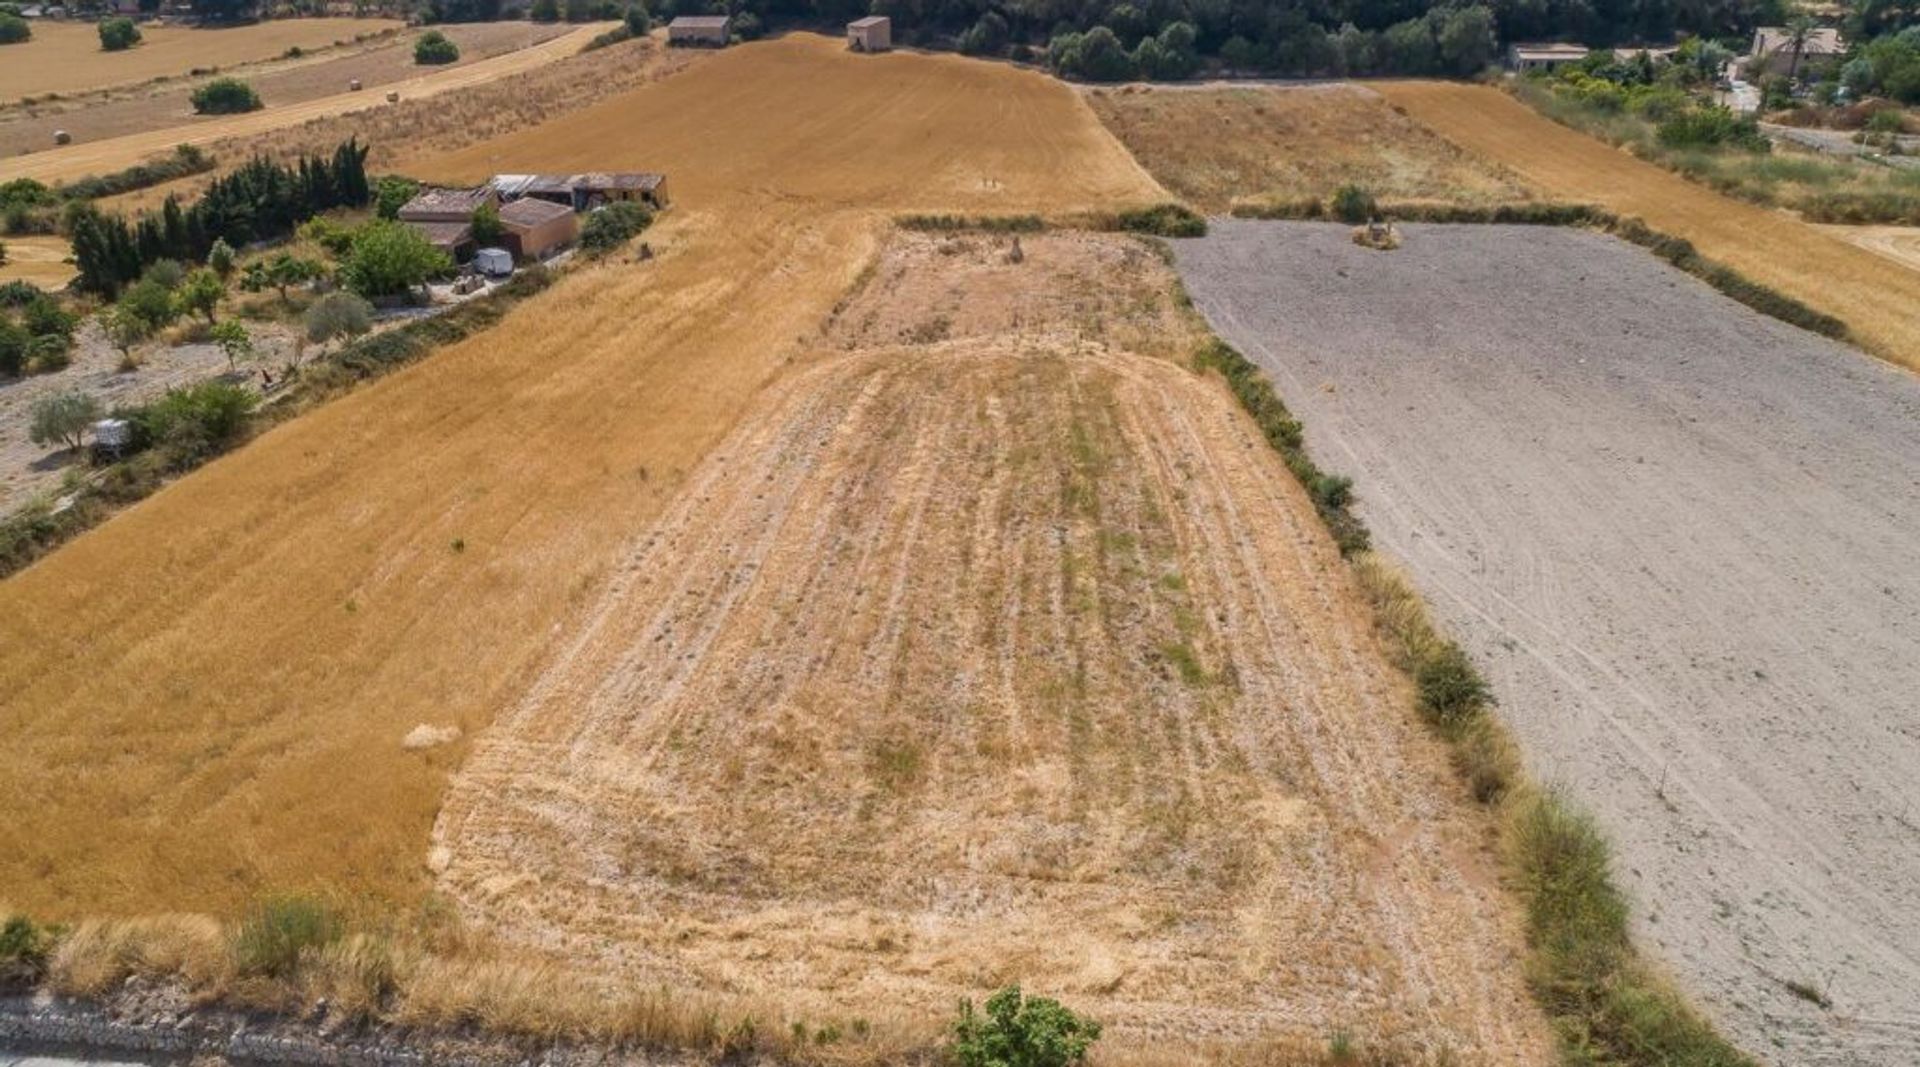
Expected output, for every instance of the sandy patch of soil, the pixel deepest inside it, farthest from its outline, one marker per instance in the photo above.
(1898, 243)
(1214, 146)
(1679, 537)
(65, 57)
(30, 129)
(987, 650)
(1880, 306)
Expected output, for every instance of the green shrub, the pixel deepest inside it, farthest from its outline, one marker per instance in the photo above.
(62, 419)
(1710, 127)
(24, 948)
(434, 48)
(614, 225)
(1161, 220)
(14, 29)
(15, 344)
(118, 34)
(269, 942)
(195, 421)
(1353, 204)
(986, 223)
(1450, 690)
(225, 96)
(391, 193)
(1018, 1031)
(186, 160)
(1886, 120)
(390, 259)
(336, 315)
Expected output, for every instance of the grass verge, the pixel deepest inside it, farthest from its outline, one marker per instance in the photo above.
(45, 524)
(1606, 1003)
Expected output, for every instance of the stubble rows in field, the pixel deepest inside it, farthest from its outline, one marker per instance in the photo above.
(992, 649)
(207, 696)
(65, 56)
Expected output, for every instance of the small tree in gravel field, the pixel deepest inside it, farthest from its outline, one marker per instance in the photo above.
(201, 293)
(62, 418)
(125, 328)
(1021, 1032)
(234, 341)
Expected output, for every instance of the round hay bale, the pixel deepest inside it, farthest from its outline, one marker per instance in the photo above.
(62, 137)
(353, 86)
(393, 97)
(1380, 236)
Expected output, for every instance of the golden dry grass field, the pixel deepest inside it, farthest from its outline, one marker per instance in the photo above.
(990, 623)
(65, 57)
(117, 153)
(40, 260)
(1215, 146)
(1900, 244)
(207, 696)
(1879, 301)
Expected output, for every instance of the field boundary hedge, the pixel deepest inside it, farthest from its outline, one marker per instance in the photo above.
(1606, 1003)
(1677, 251)
(40, 527)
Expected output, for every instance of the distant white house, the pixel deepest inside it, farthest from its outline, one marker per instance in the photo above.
(1525, 58)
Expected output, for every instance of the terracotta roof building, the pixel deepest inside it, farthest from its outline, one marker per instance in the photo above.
(537, 228)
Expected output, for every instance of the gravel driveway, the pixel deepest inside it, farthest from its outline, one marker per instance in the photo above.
(1680, 536)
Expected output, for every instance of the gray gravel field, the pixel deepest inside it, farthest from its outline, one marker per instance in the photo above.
(1682, 539)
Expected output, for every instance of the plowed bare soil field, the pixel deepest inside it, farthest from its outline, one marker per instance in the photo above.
(1213, 147)
(1881, 303)
(1678, 535)
(65, 57)
(207, 696)
(990, 649)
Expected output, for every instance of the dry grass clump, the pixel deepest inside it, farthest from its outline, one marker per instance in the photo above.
(1213, 148)
(99, 954)
(1382, 238)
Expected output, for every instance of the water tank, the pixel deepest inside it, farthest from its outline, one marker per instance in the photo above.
(112, 433)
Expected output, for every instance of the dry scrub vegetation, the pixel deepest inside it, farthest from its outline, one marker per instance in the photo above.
(1879, 302)
(208, 695)
(992, 648)
(65, 56)
(1220, 146)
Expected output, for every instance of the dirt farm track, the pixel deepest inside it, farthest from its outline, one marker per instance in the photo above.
(1680, 537)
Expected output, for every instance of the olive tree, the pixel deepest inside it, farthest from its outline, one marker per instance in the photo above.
(337, 315)
(62, 418)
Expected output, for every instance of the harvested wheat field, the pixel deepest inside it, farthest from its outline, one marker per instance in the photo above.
(985, 626)
(40, 260)
(1880, 304)
(1214, 147)
(207, 696)
(65, 57)
(374, 64)
(118, 153)
(1678, 536)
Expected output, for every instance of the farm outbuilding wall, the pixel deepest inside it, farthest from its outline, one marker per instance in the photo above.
(1524, 58)
(537, 228)
(871, 34)
(709, 31)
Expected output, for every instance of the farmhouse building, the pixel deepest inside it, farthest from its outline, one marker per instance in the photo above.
(709, 31)
(1773, 52)
(871, 34)
(583, 192)
(1526, 58)
(453, 238)
(537, 229)
(1658, 53)
(447, 205)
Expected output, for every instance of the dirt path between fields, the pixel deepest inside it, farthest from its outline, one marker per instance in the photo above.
(1881, 305)
(1679, 537)
(118, 153)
